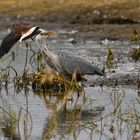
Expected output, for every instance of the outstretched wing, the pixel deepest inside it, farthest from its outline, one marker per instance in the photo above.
(26, 30)
(70, 62)
(19, 32)
(8, 42)
(32, 32)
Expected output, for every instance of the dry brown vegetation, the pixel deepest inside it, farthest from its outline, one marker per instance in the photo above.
(110, 14)
(112, 8)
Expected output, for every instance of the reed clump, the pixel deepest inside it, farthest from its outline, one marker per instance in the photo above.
(135, 54)
(52, 79)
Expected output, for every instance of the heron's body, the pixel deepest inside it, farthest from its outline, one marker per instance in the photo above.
(67, 63)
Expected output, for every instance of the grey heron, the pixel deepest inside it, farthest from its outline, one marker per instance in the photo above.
(63, 62)
(67, 63)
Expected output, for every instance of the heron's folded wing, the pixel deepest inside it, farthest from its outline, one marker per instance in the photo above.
(70, 62)
(8, 42)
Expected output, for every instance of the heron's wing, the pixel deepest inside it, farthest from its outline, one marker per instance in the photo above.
(70, 62)
(8, 42)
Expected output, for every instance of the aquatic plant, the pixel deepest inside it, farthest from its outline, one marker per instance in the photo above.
(8, 119)
(110, 59)
(52, 79)
(135, 37)
(135, 53)
(110, 56)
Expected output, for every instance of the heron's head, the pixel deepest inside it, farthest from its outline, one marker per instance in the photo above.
(44, 35)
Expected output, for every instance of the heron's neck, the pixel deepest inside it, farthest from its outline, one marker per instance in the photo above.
(42, 46)
(52, 58)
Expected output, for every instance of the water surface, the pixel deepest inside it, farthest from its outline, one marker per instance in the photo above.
(97, 114)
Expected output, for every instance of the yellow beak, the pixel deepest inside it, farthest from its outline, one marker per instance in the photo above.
(48, 34)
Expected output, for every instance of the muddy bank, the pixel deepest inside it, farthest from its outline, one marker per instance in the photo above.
(116, 80)
(84, 32)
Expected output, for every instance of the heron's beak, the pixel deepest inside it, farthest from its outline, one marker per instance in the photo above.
(45, 35)
(48, 34)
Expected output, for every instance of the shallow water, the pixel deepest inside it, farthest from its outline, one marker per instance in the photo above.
(49, 117)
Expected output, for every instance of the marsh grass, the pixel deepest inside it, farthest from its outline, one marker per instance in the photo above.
(136, 54)
(110, 59)
(111, 125)
(118, 123)
(107, 126)
(135, 51)
(8, 119)
(45, 80)
(10, 122)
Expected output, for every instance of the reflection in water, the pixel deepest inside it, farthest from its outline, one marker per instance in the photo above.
(65, 115)
(56, 101)
(10, 135)
(15, 121)
(70, 119)
(68, 116)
